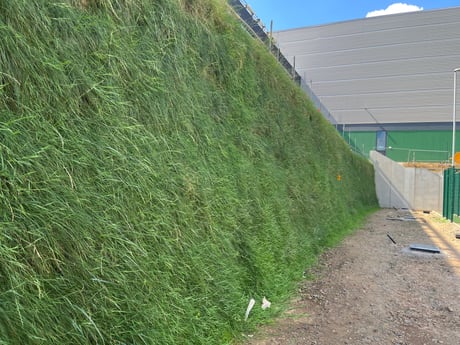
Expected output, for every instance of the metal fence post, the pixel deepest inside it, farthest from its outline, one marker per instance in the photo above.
(447, 207)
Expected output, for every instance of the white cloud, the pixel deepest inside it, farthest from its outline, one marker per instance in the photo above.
(394, 8)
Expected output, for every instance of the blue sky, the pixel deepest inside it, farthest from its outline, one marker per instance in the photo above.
(288, 14)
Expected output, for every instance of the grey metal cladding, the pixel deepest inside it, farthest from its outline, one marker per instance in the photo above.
(399, 67)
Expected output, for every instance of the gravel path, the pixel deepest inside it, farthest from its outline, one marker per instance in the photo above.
(369, 290)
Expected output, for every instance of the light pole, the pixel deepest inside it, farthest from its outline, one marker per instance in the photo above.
(454, 120)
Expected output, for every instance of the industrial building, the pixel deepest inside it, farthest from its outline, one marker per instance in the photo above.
(388, 81)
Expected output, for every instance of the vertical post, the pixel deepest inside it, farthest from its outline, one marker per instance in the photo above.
(454, 119)
(445, 198)
(448, 190)
(452, 195)
(271, 35)
(293, 68)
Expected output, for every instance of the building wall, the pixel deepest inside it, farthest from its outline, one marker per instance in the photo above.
(406, 146)
(402, 187)
(388, 69)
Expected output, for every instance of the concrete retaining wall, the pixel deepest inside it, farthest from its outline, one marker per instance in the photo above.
(402, 187)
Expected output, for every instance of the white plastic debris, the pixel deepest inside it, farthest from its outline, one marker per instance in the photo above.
(252, 301)
(265, 303)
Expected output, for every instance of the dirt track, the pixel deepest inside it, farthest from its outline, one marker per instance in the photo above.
(369, 290)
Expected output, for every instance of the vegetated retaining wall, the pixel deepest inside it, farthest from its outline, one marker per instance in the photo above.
(159, 169)
(406, 187)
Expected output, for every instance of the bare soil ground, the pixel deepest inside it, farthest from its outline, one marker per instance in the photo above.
(369, 290)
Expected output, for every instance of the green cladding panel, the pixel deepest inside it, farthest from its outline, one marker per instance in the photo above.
(403, 146)
(361, 142)
(426, 146)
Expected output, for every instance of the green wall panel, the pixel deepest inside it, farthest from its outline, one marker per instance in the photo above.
(426, 146)
(404, 146)
(361, 142)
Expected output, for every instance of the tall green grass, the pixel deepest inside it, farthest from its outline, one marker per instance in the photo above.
(157, 169)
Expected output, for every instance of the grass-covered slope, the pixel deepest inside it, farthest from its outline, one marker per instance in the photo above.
(157, 169)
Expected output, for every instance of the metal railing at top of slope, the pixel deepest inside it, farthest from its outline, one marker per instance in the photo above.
(257, 29)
